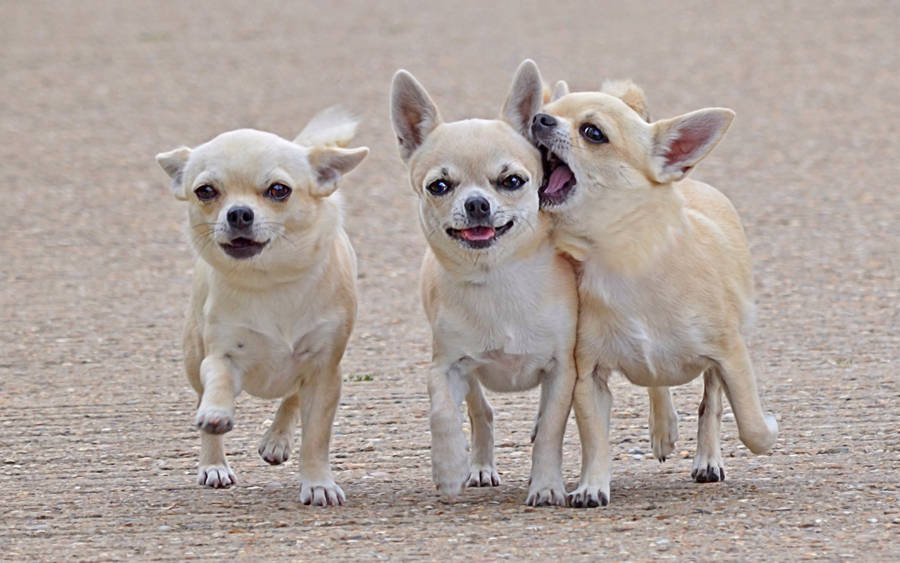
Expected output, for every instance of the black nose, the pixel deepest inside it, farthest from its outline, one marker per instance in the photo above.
(542, 122)
(478, 208)
(240, 217)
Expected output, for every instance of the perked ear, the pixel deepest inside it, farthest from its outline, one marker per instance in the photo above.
(525, 98)
(630, 93)
(173, 163)
(413, 114)
(681, 142)
(560, 89)
(330, 163)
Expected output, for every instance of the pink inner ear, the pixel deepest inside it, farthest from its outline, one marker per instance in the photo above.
(683, 147)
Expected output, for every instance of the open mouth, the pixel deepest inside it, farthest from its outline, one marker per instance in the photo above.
(559, 181)
(241, 247)
(479, 237)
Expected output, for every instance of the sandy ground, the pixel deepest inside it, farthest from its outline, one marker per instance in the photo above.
(98, 455)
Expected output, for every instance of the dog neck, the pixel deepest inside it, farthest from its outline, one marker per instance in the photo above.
(631, 242)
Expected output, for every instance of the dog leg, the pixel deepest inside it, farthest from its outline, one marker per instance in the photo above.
(758, 431)
(449, 466)
(482, 472)
(546, 487)
(593, 403)
(215, 414)
(663, 422)
(275, 447)
(708, 466)
(319, 397)
(214, 470)
(542, 405)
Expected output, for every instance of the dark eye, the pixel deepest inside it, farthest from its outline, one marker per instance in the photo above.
(438, 187)
(593, 133)
(512, 182)
(278, 192)
(206, 193)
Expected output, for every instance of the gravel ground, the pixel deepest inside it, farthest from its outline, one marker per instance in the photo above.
(98, 456)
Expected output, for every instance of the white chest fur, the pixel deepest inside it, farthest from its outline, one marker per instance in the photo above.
(272, 337)
(638, 327)
(507, 326)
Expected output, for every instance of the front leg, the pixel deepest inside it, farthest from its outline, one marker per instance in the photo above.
(547, 486)
(449, 467)
(215, 414)
(482, 472)
(593, 402)
(320, 393)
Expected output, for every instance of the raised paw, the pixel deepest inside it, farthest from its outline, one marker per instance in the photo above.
(275, 447)
(549, 495)
(663, 441)
(214, 420)
(663, 435)
(321, 493)
(587, 496)
(482, 476)
(216, 476)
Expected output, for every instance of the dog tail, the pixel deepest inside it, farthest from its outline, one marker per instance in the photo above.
(331, 127)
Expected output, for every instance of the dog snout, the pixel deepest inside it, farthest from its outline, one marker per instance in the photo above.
(478, 208)
(240, 217)
(542, 123)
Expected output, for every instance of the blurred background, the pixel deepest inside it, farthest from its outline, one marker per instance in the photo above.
(95, 411)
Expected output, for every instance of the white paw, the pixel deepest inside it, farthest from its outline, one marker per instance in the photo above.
(216, 476)
(550, 494)
(275, 447)
(482, 476)
(214, 420)
(708, 468)
(663, 434)
(321, 493)
(589, 496)
(663, 438)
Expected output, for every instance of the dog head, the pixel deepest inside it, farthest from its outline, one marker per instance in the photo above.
(255, 198)
(476, 179)
(599, 148)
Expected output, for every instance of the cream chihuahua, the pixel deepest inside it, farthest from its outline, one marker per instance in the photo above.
(665, 288)
(274, 292)
(501, 302)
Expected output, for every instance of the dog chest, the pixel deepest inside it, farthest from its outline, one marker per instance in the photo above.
(272, 343)
(640, 332)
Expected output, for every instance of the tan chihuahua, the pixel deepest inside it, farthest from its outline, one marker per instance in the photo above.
(501, 302)
(665, 288)
(274, 293)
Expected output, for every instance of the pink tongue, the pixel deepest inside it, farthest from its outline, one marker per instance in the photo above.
(477, 233)
(558, 178)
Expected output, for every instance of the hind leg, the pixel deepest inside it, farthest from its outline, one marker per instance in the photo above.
(275, 447)
(757, 430)
(663, 422)
(708, 466)
(482, 472)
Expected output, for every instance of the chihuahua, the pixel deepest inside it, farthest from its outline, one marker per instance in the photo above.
(665, 288)
(502, 303)
(274, 289)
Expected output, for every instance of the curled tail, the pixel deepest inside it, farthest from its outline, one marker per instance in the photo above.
(331, 127)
